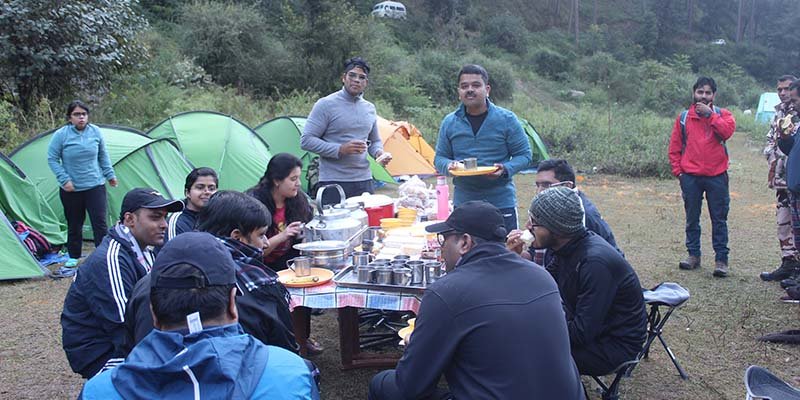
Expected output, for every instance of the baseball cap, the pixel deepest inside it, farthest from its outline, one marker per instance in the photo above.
(478, 218)
(147, 198)
(211, 261)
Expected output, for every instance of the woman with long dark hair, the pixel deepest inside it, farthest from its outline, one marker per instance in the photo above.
(279, 190)
(77, 156)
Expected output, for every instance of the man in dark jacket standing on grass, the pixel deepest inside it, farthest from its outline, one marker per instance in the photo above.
(493, 326)
(92, 322)
(699, 159)
(788, 145)
(601, 293)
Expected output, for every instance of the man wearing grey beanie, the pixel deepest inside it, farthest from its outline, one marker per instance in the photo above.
(602, 297)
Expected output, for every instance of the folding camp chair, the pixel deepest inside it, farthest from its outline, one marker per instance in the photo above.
(762, 384)
(611, 392)
(669, 295)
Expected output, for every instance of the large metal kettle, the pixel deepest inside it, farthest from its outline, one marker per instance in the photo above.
(334, 223)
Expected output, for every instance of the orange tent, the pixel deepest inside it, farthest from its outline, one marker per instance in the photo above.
(411, 154)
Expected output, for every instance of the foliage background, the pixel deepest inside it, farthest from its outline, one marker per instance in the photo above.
(138, 62)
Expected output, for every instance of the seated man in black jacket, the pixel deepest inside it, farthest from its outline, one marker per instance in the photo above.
(601, 293)
(493, 325)
(92, 322)
(240, 222)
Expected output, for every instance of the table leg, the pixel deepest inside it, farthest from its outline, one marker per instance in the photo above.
(350, 347)
(300, 318)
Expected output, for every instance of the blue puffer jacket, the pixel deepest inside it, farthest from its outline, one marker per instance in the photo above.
(93, 318)
(220, 362)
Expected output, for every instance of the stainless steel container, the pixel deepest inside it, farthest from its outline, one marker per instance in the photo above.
(417, 271)
(401, 276)
(403, 257)
(366, 274)
(381, 261)
(330, 254)
(433, 271)
(361, 258)
(384, 275)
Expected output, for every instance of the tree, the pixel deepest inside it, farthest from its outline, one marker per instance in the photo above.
(55, 48)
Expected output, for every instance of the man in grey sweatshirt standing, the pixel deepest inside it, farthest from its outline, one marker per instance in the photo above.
(342, 128)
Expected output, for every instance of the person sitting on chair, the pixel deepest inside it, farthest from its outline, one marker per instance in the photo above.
(198, 346)
(601, 293)
(493, 325)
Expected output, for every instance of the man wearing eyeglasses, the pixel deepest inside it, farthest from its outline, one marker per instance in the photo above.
(342, 128)
(493, 325)
(602, 297)
(551, 173)
(480, 129)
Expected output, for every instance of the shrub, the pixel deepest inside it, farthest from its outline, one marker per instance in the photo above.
(553, 65)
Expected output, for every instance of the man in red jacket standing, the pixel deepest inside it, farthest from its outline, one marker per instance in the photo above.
(699, 159)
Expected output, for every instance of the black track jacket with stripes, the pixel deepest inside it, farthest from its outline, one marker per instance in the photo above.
(93, 318)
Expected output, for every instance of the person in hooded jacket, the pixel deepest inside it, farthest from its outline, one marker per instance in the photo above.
(240, 223)
(200, 185)
(198, 349)
(93, 318)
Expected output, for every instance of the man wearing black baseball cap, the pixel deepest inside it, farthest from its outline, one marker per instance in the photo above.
(93, 317)
(493, 325)
(198, 344)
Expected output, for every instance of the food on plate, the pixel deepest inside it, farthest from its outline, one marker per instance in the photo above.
(302, 279)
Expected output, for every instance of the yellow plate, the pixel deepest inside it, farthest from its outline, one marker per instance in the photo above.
(405, 331)
(473, 172)
(324, 275)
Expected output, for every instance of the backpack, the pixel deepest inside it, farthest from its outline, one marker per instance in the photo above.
(34, 241)
(683, 129)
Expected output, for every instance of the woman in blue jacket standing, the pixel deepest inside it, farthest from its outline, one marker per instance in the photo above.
(77, 156)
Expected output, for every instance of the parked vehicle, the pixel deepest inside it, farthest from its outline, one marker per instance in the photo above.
(389, 9)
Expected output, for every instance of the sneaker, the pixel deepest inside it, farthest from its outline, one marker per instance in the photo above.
(691, 262)
(313, 347)
(789, 282)
(788, 299)
(71, 263)
(785, 270)
(721, 269)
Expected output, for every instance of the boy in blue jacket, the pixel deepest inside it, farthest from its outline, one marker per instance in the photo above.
(198, 349)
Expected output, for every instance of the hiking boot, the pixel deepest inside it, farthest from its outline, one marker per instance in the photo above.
(788, 267)
(721, 269)
(691, 262)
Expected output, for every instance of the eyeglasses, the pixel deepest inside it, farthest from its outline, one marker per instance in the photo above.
(442, 236)
(356, 77)
(79, 114)
(530, 220)
(547, 185)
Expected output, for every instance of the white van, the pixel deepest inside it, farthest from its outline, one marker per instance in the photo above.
(389, 9)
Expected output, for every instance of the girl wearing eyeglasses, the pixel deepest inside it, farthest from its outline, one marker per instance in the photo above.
(77, 156)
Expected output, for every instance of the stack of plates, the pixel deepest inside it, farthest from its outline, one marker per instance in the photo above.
(391, 223)
(407, 214)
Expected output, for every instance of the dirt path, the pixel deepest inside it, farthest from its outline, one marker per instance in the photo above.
(713, 335)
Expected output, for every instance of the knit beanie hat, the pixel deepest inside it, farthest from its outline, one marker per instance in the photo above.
(560, 210)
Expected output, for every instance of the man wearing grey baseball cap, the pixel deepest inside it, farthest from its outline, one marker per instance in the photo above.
(493, 325)
(93, 318)
(601, 293)
(198, 345)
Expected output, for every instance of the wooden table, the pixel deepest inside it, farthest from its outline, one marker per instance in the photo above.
(348, 301)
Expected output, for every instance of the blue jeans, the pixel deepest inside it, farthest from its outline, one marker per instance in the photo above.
(716, 193)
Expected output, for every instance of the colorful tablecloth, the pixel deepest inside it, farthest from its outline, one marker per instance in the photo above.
(331, 295)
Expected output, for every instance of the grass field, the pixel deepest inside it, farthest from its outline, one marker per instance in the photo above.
(713, 336)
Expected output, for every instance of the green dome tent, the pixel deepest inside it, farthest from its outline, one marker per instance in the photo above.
(219, 141)
(766, 107)
(538, 148)
(283, 136)
(21, 200)
(139, 161)
(17, 262)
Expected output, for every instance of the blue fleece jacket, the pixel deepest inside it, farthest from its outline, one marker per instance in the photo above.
(788, 146)
(80, 157)
(500, 140)
(219, 362)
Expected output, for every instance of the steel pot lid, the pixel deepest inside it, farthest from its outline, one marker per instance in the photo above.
(321, 245)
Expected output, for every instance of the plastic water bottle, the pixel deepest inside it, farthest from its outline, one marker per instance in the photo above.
(442, 198)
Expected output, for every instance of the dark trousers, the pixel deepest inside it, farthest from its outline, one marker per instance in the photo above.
(76, 205)
(510, 218)
(384, 387)
(716, 193)
(331, 195)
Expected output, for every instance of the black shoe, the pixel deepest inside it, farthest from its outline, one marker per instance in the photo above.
(787, 283)
(787, 268)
